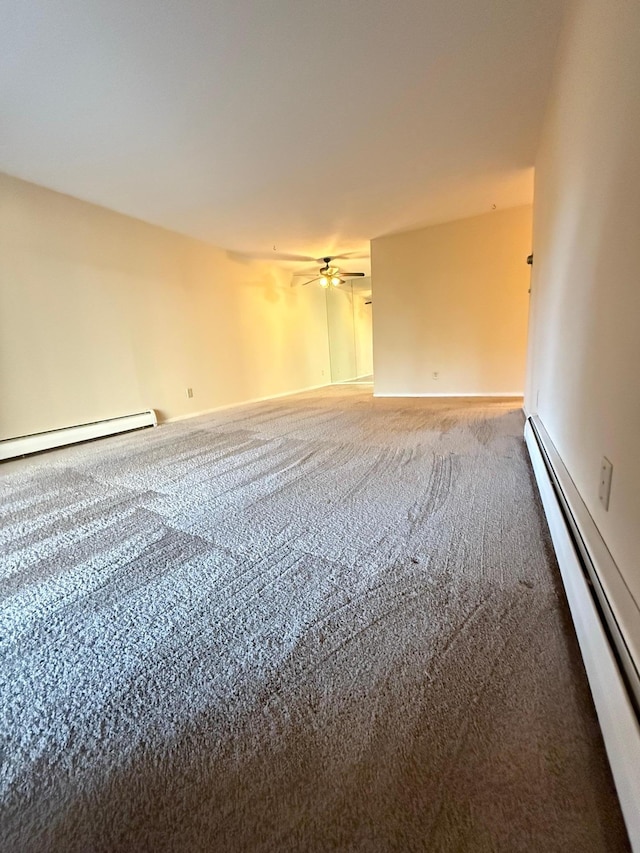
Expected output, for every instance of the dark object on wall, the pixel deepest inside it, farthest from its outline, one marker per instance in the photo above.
(530, 260)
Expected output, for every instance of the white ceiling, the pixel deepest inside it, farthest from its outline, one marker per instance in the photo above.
(308, 125)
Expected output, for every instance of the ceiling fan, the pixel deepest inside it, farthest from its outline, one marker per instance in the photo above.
(330, 275)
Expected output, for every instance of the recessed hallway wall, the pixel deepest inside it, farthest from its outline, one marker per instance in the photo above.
(349, 326)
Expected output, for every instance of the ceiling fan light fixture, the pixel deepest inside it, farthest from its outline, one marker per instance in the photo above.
(330, 275)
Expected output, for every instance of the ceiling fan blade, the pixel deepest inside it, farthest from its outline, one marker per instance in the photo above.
(352, 274)
(276, 256)
(317, 278)
(354, 256)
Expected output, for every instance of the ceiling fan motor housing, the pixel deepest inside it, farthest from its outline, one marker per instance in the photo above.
(333, 275)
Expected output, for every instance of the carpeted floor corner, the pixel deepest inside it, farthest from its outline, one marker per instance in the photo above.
(326, 622)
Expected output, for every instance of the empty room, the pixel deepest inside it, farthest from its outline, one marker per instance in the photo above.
(319, 407)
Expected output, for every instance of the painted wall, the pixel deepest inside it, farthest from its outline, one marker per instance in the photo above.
(102, 315)
(350, 331)
(363, 331)
(340, 333)
(453, 300)
(584, 357)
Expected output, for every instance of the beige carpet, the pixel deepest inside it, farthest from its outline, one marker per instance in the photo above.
(321, 623)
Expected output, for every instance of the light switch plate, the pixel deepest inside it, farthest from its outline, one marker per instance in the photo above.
(606, 471)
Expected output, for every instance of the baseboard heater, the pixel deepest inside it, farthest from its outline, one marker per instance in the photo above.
(27, 444)
(605, 616)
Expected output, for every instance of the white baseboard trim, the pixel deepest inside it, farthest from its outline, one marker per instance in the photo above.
(243, 403)
(461, 394)
(607, 673)
(10, 448)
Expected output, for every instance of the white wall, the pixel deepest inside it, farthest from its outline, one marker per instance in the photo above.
(452, 299)
(584, 354)
(363, 330)
(101, 315)
(350, 331)
(340, 333)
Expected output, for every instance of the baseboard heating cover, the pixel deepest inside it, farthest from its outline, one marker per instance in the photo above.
(26, 444)
(605, 617)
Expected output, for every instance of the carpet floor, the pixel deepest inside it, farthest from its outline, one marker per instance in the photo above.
(326, 622)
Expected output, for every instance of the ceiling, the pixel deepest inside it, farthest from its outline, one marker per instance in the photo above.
(310, 126)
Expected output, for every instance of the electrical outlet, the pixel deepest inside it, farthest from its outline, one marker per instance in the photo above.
(436, 374)
(189, 393)
(606, 472)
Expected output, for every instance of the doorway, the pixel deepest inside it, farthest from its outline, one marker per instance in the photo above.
(349, 326)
